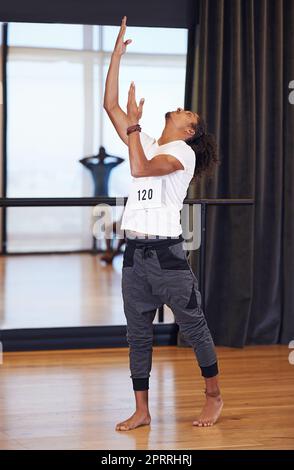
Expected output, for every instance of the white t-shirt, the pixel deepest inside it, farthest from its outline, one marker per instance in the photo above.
(159, 215)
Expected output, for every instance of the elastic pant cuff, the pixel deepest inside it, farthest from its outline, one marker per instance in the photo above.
(140, 383)
(209, 371)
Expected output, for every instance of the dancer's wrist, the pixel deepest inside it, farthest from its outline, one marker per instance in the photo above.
(133, 128)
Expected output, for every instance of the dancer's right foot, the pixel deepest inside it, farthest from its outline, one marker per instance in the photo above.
(139, 418)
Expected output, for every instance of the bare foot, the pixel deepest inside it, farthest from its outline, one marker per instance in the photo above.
(108, 257)
(139, 418)
(211, 411)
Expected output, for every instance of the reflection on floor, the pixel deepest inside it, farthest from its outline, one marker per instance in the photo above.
(41, 291)
(73, 400)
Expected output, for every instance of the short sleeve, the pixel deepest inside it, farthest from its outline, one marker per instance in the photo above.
(146, 139)
(184, 153)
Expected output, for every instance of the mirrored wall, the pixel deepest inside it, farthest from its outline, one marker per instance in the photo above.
(53, 274)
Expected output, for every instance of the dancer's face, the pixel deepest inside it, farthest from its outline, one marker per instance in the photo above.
(182, 119)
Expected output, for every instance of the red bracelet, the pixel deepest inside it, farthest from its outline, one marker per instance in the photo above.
(135, 127)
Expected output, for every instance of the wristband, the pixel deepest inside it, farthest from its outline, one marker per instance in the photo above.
(135, 127)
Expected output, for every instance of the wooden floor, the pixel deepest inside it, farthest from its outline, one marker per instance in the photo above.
(73, 400)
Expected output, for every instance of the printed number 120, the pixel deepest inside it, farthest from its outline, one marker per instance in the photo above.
(144, 194)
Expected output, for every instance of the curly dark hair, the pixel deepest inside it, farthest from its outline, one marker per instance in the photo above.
(205, 148)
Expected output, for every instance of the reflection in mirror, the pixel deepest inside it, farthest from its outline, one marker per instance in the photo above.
(61, 143)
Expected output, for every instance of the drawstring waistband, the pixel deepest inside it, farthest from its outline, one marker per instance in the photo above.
(153, 243)
(146, 252)
(148, 245)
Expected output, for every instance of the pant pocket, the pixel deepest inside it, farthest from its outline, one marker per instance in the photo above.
(179, 285)
(172, 257)
(128, 256)
(195, 295)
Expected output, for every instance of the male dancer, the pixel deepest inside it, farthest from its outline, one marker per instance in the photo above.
(155, 268)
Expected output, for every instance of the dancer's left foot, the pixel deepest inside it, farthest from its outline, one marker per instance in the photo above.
(211, 410)
(108, 257)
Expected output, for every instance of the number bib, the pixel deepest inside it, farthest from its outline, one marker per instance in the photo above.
(146, 193)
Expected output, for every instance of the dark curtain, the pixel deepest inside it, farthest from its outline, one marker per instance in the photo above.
(244, 61)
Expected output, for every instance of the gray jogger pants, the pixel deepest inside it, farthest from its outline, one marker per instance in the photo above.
(156, 272)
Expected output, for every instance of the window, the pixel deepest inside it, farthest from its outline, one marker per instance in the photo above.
(45, 35)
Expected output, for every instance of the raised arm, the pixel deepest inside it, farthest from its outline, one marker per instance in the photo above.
(117, 116)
